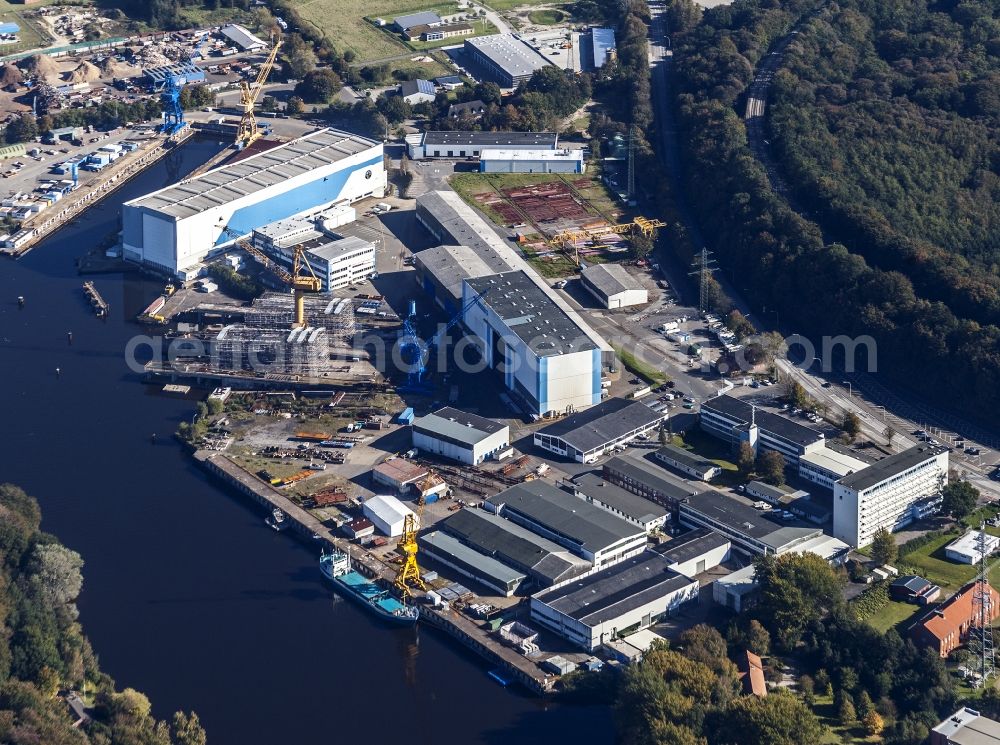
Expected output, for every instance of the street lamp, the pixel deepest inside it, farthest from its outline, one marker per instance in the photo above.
(850, 388)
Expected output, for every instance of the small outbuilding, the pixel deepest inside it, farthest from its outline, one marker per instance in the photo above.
(971, 547)
(613, 286)
(387, 513)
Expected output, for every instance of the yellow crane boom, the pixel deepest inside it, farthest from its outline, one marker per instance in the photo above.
(299, 283)
(641, 225)
(248, 132)
(410, 572)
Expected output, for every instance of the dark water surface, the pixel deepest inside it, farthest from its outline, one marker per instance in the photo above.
(188, 596)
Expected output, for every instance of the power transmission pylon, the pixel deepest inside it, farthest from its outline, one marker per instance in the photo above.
(703, 266)
(981, 632)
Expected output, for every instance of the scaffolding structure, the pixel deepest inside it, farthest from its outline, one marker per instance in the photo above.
(981, 632)
(334, 315)
(299, 351)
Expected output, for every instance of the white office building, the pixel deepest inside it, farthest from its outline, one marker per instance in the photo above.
(733, 420)
(825, 466)
(882, 495)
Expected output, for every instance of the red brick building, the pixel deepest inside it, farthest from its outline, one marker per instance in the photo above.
(946, 627)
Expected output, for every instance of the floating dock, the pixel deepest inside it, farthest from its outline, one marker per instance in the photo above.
(98, 303)
(453, 623)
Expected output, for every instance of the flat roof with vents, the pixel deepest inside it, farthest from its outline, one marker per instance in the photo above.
(235, 181)
(531, 314)
(534, 140)
(508, 53)
(612, 592)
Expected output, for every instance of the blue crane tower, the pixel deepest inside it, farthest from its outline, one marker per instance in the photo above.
(415, 352)
(170, 100)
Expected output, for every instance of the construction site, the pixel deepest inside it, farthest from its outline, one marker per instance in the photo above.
(558, 220)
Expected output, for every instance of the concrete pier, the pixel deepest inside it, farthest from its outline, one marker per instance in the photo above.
(450, 621)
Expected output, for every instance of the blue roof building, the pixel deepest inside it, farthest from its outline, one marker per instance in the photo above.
(603, 42)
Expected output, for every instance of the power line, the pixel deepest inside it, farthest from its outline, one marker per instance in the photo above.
(981, 633)
(703, 266)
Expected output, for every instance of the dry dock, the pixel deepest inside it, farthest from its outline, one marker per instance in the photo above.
(450, 621)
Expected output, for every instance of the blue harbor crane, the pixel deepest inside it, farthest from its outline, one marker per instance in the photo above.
(170, 101)
(415, 352)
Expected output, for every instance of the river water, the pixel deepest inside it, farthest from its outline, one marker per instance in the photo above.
(188, 596)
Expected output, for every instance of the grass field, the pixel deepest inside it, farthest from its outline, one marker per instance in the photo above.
(547, 17)
(892, 615)
(637, 367)
(31, 36)
(343, 22)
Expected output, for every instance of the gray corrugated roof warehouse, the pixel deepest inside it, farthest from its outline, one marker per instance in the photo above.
(585, 528)
(637, 474)
(633, 506)
(610, 279)
(547, 562)
(507, 57)
(614, 591)
(607, 422)
(459, 425)
(690, 545)
(536, 140)
(227, 183)
(486, 569)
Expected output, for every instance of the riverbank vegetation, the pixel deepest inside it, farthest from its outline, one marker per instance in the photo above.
(46, 661)
(939, 343)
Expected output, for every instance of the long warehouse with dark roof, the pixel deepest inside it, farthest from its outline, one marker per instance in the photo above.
(636, 592)
(174, 229)
(584, 529)
(586, 435)
(546, 562)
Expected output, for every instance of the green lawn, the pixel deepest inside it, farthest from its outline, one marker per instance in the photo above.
(637, 367)
(893, 615)
(835, 734)
(546, 17)
(480, 28)
(710, 448)
(929, 561)
(343, 22)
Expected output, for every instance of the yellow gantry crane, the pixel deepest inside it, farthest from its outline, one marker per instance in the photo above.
(299, 283)
(409, 572)
(248, 132)
(640, 225)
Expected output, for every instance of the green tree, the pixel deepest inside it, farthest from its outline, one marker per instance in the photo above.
(884, 549)
(889, 434)
(269, 104)
(739, 324)
(864, 704)
(758, 640)
(778, 719)
(823, 682)
(187, 729)
(295, 106)
(771, 467)
(795, 590)
(215, 406)
(746, 460)
(393, 108)
(796, 394)
(55, 571)
(959, 499)
(318, 86)
(22, 129)
(808, 687)
(642, 245)
(845, 710)
(851, 425)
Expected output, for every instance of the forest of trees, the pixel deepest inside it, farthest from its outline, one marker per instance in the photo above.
(44, 654)
(168, 14)
(886, 123)
(947, 351)
(688, 693)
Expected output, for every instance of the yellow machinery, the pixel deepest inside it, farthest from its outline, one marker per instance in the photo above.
(409, 573)
(248, 133)
(298, 282)
(640, 225)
